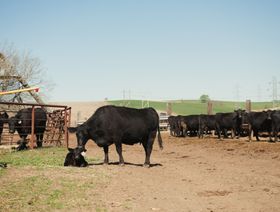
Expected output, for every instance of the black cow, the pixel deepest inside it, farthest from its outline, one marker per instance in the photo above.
(207, 123)
(120, 125)
(22, 123)
(189, 124)
(275, 124)
(229, 121)
(259, 122)
(3, 119)
(71, 160)
(173, 125)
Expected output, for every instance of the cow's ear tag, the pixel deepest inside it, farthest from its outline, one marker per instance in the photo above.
(19, 122)
(83, 154)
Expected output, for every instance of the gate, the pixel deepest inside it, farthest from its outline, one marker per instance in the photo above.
(58, 120)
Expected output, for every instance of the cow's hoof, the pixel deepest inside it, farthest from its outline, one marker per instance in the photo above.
(146, 165)
(84, 165)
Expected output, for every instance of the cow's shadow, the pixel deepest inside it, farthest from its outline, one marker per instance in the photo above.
(125, 163)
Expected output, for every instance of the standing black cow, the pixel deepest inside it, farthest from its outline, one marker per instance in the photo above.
(3, 118)
(207, 123)
(229, 121)
(173, 125)
(190, 124)
(22, 123)
(275, 124)
(119, 125)
(259, 122)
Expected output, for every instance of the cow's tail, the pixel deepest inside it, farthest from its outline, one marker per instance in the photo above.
(159, 139)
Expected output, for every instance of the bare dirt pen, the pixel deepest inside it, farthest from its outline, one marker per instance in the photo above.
(195, 175)
(190, 174)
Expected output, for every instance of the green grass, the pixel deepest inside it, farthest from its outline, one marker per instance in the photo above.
(36, 180)
(43, 157)
(188, 107)
(39, 157)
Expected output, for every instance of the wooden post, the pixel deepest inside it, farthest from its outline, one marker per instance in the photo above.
(32, 127)
(209, 107)
(169, 108)
(248, 105)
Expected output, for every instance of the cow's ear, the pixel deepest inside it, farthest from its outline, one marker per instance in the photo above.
(72, 129)
(6, 116)
(70, 149)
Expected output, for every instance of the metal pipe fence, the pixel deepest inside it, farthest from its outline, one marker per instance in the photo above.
(58, 118)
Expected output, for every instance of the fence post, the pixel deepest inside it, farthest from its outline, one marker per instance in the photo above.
(32, 127)
(210, 107)
(248, 105)
(169, 108)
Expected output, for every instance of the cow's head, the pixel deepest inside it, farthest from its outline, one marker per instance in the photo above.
(4, 116)
(74, 158)
(82, 137)
(13, 124)
(268, 114)
(239, 113)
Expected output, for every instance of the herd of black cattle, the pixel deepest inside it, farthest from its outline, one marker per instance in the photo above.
(238, 123)
(121, 125)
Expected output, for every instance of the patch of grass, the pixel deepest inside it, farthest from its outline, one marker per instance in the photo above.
(36, 180)
(188, 107)
(43, 157)
(100, 209)
(40, 192)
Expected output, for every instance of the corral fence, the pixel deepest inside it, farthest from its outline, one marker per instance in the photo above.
(163, 122)
(58, 120)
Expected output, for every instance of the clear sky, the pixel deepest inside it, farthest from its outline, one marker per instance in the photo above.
(156, 49)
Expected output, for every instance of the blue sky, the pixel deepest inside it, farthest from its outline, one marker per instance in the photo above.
(156, 49)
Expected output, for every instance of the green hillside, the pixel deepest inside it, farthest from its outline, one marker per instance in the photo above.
(187, 107)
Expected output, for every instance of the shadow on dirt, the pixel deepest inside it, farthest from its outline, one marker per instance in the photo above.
(126, 163)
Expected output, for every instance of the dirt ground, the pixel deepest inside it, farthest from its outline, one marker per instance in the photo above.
(191, 174)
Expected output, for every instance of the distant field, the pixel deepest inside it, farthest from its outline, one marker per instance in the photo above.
(187, 107)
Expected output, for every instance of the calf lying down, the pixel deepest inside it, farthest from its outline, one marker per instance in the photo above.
(71, 160)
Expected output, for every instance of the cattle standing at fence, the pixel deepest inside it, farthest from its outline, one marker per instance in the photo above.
(22, 123)
(3, 118)
(173, 125)
(207, 123)
(120, 125)
(259, 122)
(275, 124)
(229, 121)
(189, 124)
